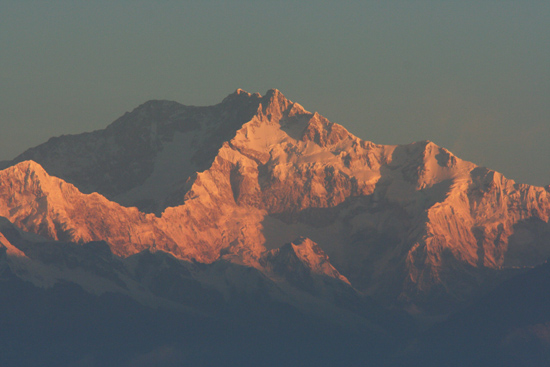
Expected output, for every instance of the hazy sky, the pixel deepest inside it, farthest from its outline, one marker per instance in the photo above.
(472, 76)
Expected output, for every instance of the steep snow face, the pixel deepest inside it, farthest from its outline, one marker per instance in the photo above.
(303, 160)
(470, 238)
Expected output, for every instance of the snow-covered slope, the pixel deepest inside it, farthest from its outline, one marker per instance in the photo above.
(409, 224)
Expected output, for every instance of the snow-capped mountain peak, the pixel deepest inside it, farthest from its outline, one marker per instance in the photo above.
(226, 181)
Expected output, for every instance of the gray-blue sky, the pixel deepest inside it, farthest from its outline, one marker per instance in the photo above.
(472, 76)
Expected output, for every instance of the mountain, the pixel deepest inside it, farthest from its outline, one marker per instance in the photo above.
(255, 232)
(413, 226)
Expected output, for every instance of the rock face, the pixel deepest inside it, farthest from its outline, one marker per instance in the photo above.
(411, 225)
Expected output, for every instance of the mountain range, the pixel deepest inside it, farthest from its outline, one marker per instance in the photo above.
(258, 217)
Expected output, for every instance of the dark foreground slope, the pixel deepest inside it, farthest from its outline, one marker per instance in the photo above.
(66, 326)
(510, 326)
(63, 304)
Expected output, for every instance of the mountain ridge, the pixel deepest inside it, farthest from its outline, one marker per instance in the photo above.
(405, 223)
